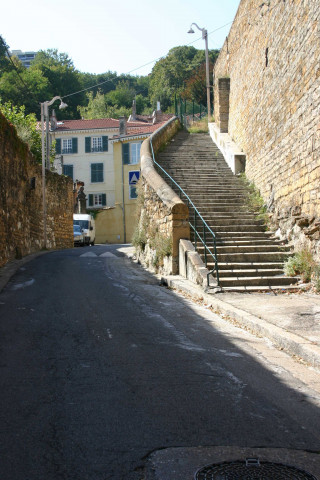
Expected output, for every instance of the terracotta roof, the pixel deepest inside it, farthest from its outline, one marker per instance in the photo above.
(137, 127)
(134, 128)
(96, 123)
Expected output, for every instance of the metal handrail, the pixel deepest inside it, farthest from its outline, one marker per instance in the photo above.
(197, 214)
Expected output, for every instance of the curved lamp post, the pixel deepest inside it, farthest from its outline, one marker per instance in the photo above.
(205, 37)
(45, 150)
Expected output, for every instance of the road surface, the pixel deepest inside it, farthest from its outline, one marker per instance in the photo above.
(101, 367)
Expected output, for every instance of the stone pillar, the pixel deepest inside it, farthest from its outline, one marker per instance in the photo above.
(224, 92)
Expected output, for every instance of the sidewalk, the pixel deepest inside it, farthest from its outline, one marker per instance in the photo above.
(291, 321)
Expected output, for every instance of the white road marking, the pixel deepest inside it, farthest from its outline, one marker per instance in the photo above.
(88, 254)
(17, 286)
(108, 254)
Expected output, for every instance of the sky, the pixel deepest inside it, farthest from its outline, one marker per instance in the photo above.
(123, 36)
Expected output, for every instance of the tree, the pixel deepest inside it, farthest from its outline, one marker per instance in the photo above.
(5, 64)
(62, 78)
(26, 126)
(170, 74)
(23, 87)
(96, 107)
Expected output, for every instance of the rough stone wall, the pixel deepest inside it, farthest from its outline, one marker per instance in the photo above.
(271, 56)
(21, 217)
(163, 217)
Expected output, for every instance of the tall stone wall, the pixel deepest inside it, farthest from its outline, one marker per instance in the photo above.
(21, 212)
(271, 58)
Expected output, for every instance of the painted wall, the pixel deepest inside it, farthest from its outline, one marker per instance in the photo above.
(81, 162)
(117, 225)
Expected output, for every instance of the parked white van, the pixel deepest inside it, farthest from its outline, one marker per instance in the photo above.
(87, 225)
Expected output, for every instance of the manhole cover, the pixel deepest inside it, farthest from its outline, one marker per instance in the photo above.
(252, 469)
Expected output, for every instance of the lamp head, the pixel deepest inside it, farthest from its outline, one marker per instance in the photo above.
(62, 105)
(191, 30)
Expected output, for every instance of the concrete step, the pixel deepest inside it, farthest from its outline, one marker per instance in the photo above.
(249, 272)
(249, 248)
(257, 281)
(253, 257)
(255, 266)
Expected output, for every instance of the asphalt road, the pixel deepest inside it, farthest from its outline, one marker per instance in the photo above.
(101, 366)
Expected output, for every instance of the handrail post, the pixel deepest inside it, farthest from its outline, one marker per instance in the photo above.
(195, 229)
(205, 245)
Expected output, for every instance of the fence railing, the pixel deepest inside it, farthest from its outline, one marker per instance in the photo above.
(188, 111)
(203, 235)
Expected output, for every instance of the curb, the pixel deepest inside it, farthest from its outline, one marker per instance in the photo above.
(10, 268)
(293, 344)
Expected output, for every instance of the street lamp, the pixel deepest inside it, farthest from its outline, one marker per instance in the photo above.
(205, 37)
(45, 148)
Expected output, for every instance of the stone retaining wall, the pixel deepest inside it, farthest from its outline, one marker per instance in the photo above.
(21, 217)
(271, 60)
(163, 216)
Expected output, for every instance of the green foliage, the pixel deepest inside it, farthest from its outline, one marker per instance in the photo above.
(26, 126)
(139, 238)
(5, 64)
(302, 263)
(254, 201)
(200, 126)
(171, 73)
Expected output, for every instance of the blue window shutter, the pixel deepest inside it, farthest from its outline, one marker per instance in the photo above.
(126, 153)
(96, 172)
(104, 199)
(90, 200)
(104, 143)
(88, 144)
(75, 145)
(68, 170)
(58, 146)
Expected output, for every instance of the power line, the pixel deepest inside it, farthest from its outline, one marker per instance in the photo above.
(16, 70)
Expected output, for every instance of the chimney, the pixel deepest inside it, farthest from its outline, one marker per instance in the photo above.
(53, 120)
(122, 125)
(134, 111)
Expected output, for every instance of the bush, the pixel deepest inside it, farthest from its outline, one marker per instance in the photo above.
(302, 263)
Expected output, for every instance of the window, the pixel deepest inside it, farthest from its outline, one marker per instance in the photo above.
(96, 172)
(135, 152)
(67, 170)
(96, 144)
(66, 145)
(97, 199)
(131, 153)
(133, 192)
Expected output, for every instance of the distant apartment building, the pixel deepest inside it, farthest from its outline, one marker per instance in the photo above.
(24, 57)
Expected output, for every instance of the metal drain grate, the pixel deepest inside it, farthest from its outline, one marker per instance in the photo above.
(252, 469)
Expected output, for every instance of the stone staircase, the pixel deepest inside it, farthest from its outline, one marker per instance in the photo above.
(249, 258)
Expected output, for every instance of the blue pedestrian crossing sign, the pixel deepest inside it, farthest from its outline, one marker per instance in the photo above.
(134, 176)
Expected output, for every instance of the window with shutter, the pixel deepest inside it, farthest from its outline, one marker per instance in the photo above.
(126, 153)
(74, 145)
(97, 200)
(105, 143)
(96, 172)
(67, 170)
(58, 146)
(135, 152)
(88, 144)
(96, 144)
